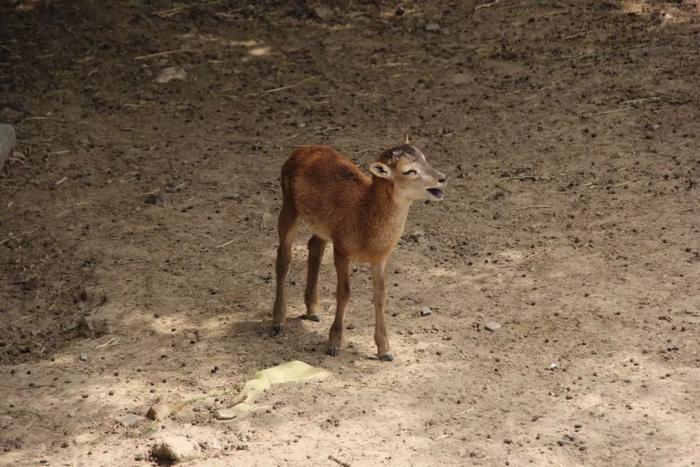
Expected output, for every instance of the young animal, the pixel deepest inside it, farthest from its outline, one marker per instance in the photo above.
(364, 216)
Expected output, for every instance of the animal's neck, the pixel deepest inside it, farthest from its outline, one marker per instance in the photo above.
(385, 209)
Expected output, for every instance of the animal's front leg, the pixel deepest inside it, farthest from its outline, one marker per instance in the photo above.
(381, 337)
(343, 267)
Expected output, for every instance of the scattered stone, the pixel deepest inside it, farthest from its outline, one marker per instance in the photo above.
(426, 311)
(170, 74)
(232, 195)
(432, 27)
(155, 199)
(92, 328)
(462, 78)
(158, 412)
(553, 366)
(416, 235)
(131, 419)
(83, 357)
(324, 12)
(226, 414)
(493, 326)
(261, 220)
(175, 448)
(7, 142)
(211, 444)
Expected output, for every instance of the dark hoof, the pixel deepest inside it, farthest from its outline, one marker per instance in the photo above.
(314, 318)
(384, 358)
(276, 329)
(333, 351)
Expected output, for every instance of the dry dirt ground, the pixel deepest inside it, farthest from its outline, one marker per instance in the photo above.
(137, 231)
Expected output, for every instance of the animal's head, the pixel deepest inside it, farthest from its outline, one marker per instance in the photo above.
(413, 177)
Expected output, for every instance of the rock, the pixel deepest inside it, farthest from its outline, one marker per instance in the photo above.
(175, 448)
(131, 419)
(324, 13)
(92, 328)
(261, 220)
(211, 444)
(158, 412)
(432, 27)
(226, 414)
(155, 199)
(426, 311)
(493, 326)
(89, 298)
(462, 78)
(233, 195)
(415, 236)
(7, 142)
(83, 357)
(170, 74)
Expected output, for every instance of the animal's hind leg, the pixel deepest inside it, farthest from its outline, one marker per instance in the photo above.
(317, 246)
(288, 223)
(343, 267)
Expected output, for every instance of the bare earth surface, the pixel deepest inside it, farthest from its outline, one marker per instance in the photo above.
(137, 231)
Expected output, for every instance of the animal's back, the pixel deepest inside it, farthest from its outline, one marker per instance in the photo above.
(323, 184)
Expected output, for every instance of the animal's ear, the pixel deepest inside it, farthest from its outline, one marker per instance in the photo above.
(379, 169)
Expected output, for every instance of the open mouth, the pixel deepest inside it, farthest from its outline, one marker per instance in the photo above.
(436, 193)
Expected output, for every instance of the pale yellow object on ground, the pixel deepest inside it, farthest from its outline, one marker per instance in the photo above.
(284, 373)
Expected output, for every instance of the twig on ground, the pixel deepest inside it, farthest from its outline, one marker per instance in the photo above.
(177, 10)
(225, 243)
(643, 99)
(626, 105)
(526, 177)
(112, 341)
(161, 54)
(538, 206)
(241, 397)
(133, 261)
(38, 386)
(621, 184)
(289, 86)
(486, 5)
(338, 461)
(573, 36)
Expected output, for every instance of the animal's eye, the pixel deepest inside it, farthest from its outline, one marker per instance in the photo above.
(410, 172)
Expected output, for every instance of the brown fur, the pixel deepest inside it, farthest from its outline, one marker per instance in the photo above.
(363, 216)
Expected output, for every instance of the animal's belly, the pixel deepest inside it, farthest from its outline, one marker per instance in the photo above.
(318, 229)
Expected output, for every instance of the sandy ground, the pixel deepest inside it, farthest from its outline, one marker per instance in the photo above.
(137, 231)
